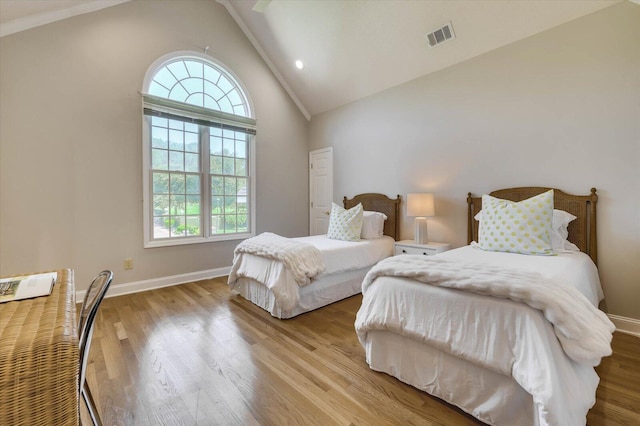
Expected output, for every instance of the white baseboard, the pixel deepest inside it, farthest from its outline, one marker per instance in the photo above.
(138, 286)
(626, 325)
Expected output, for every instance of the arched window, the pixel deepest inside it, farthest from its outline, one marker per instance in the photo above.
(198, 138)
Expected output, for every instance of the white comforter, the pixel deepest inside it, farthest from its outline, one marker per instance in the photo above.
(336, 256)
(505, 336)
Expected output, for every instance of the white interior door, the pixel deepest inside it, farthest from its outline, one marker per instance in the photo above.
(320, 189)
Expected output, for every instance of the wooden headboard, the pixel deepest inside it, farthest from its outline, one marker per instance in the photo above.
(383, 204)
(582, 230)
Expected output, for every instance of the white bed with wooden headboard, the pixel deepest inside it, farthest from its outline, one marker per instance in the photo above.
(271, 285)
(509, 338)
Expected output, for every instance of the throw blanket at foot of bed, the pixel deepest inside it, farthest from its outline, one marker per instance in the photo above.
(303, 261)
(584, 331)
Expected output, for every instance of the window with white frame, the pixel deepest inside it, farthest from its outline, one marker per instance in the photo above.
(198, 153)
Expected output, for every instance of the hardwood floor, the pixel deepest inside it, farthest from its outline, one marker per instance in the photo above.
(196, 354)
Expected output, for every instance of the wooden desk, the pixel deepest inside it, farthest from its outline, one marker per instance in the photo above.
(39, 359)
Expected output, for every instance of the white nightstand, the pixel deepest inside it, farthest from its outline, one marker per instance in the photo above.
(429, 249)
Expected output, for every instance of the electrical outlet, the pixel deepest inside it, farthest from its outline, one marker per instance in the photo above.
(128, 263)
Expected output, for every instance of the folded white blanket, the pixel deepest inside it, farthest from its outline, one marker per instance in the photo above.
(302, 259)
(584, 331)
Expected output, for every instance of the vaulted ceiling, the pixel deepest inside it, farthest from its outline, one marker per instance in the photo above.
(352, 49)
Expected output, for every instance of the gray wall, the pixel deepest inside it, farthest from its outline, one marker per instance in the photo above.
(70, 140)
(558, 109)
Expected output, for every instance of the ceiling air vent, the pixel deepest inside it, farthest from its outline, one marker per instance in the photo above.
(440, 35)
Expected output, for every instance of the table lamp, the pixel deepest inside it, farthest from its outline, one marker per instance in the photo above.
(420, 206)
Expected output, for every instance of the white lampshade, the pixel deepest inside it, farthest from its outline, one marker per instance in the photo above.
(420, 206)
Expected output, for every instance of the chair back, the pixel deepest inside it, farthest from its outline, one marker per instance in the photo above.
(88, 312)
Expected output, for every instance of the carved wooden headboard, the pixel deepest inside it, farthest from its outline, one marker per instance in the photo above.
(582, 230)
(383, 204)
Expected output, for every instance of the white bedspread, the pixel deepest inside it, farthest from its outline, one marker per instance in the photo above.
(508, 337)
(336, 256)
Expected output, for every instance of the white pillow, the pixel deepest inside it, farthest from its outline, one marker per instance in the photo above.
(345, 224)
(372, 225)
(559, 232)
(517, 227)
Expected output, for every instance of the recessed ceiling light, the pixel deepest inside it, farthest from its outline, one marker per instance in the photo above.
(299, 64)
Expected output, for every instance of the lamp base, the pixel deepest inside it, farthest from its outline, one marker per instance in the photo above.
(421, 230)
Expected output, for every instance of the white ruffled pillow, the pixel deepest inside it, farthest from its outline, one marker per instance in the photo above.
(372, 225)
(559, 233)
(345, 224)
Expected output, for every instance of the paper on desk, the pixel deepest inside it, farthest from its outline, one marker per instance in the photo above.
(27, 286)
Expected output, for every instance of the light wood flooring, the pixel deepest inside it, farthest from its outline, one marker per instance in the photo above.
(196, 354)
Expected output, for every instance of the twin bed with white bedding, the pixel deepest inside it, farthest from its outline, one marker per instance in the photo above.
(277, 283)
(510, 338)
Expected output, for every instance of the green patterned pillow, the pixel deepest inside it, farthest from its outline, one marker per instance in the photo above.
(345, 224)
(523, 227)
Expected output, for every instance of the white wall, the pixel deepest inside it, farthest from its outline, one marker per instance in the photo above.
(70, 140)
(559, 109)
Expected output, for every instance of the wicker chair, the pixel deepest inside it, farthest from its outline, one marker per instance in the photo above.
(88, 312)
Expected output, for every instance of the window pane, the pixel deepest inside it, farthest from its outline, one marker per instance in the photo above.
(159, 138)
(191, 142)
(193, 205)
(176, 160)
(215, 145)
(176, 124)
(230, 186)
(165, 78)
(230, 204)
(176, 140)
(177, 204)
(159, 121)
(158, 90)
(241, 148)
(177, 183)
(193, 85)
(193, 225)
(178, 69)
(190, 127)
(228, 166)
(225, 105)
(195, 99)
(194, 68)
(230, 223)
(215, 163)
(193, 184)
(217, 204)
(177, 226)
(213, 90)
(234, 98)
(160, 205)
(178, 93)
(161, 227)
(241, 169)
(224, 84)
(211, 74)
(228, 147)
(159, 159)
(191, 162)
(160, 183)
(242, 223)
(217, 224)
(217, 187)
